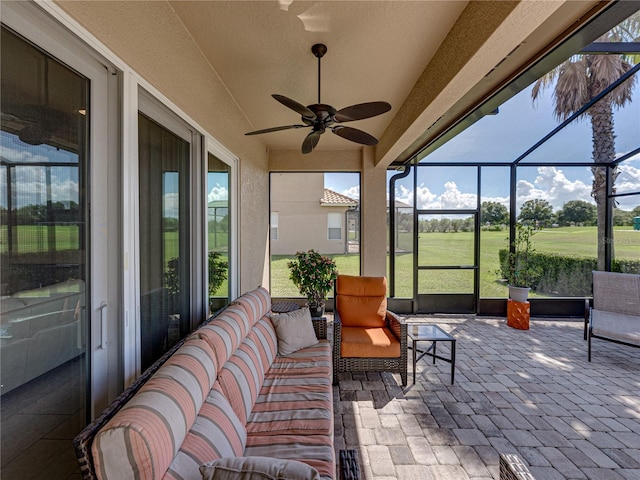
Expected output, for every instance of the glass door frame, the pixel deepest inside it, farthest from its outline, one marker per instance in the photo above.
(154, 108)
(103, 200)
(443, 302)
(447, 302)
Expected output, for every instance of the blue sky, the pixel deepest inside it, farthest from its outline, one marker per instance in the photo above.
(506, 136)
(495, 138)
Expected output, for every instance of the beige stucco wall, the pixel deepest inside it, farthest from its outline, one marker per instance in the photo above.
(150, 38)
(373, 195)
(302, 220)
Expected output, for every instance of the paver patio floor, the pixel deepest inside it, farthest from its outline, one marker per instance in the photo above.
(527, 392)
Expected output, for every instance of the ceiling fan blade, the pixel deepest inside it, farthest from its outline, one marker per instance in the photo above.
(362, 111)
(311, 141)
(275, 129)
(295, 106)
(355, 135)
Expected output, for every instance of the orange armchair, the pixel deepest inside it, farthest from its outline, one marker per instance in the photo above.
(366, 336)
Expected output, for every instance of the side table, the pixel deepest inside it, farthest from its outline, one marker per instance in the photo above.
(433, 334)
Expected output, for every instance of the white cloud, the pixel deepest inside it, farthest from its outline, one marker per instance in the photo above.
(20, 156)
(629, 178)
(425, 198)
(218, 192)
(170, 205)
(454, 198)
(352, 192)
(451, 198)
(29, 185)
(552, 185)
(628, 181)
(503, 200)
(404, 195)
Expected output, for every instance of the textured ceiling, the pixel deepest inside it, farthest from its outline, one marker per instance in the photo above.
(376, 51)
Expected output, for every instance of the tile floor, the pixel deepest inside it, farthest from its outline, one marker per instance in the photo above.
(38, 422)
(527, 392)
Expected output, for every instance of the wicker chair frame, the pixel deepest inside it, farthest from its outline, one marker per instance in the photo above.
(513, 468)
(396, 325)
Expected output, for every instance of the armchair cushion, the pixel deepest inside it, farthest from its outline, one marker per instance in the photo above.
(369, 343)
(361, 301)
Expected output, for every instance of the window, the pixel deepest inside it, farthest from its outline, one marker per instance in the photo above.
(274, 225)
(218, 232)
(334, 226)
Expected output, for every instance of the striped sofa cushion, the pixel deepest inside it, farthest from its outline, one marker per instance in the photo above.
(257, 303)
(241, 378)
(300, 405)
(314, 450)
(264, 335)
(195, 358)
(216, 433)
(225, 332)
(315, 359)
(142, 439)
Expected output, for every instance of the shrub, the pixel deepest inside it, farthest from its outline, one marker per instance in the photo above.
(564, 275)
(313, 274)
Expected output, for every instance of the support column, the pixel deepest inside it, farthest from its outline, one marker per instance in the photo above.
(373, 220)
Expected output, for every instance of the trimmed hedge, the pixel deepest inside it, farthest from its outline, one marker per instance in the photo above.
(566, 276)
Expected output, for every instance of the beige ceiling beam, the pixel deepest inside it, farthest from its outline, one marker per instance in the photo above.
(318, 161)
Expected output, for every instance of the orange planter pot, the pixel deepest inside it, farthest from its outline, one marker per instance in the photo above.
(518, 314)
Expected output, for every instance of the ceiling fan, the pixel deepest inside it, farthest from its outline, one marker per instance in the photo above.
(320, 116)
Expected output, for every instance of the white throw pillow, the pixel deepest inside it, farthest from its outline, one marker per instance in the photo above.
(294, 330)
(257, 468)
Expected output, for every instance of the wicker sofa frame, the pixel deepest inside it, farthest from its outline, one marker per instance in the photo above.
(83, 441)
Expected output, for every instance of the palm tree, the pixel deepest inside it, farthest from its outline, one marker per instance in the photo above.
(578, 80)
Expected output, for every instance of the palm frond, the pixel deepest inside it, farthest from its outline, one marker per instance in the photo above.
(606, 69)
(572, 89)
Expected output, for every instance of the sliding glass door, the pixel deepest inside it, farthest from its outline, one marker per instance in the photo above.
(57, 295)
(164, 170)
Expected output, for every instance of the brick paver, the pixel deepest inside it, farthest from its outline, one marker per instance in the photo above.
(527, 392)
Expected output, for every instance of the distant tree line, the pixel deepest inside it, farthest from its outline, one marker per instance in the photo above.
(446, 225)
(38, 214)
(539, 212)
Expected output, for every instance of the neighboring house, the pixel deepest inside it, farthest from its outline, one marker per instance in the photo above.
(300, 199)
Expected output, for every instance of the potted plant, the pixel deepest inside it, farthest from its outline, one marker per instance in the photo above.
(314, 275)
(521, 275)
(218, 269)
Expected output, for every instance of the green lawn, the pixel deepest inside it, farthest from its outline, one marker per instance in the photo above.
(457, 248)
(434, 249)
(36, 238)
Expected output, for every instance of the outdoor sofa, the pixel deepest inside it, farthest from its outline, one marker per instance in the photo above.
(247, 385)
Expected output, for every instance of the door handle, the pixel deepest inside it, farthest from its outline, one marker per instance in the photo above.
(103, 326)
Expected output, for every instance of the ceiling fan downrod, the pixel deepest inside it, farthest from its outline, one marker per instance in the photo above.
(319, 49)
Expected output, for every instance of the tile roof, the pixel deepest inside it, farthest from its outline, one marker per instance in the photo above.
(334, 198)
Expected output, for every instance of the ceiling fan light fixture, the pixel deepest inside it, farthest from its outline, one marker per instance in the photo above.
(319, 116)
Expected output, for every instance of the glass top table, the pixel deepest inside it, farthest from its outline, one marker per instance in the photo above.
(434, 334)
